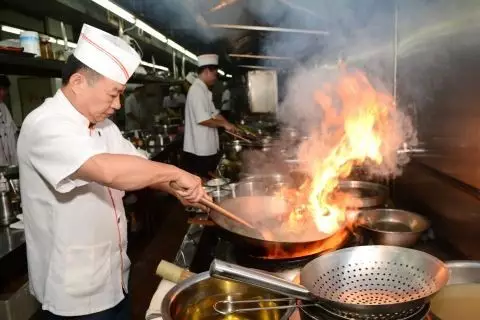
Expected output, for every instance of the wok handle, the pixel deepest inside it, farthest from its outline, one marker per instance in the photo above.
(172, 272)
(224, 212)
(209, 204)
(228, 271)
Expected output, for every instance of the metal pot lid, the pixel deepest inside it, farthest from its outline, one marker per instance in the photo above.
(218, 182)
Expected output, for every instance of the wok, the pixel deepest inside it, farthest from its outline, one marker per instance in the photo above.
(255, 202)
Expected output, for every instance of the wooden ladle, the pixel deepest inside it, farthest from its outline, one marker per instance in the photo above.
(209, 204)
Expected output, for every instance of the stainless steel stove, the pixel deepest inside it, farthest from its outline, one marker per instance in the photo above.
(202, 245)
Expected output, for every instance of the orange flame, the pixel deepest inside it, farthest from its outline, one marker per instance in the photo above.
(356, 121)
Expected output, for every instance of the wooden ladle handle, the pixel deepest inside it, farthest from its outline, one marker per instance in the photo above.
(206, 202)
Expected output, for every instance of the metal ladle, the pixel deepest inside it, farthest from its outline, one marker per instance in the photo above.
(227, 307)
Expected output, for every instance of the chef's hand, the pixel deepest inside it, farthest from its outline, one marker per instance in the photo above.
(189, 187)
(230, 127)
(186, 203)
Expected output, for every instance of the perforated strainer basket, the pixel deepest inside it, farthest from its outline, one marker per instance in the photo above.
(366, 281)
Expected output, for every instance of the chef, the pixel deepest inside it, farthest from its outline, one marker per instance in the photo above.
(8, 128)
(189, 80)
(170, 101)
(202, 120)
(74, 168)
(134, 113)
(226, 103)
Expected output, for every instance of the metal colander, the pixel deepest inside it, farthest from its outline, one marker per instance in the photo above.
(364, 281)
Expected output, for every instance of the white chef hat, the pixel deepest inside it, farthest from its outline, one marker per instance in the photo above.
(191, 76)
(208, 60)
(171, 88)
(108, 55)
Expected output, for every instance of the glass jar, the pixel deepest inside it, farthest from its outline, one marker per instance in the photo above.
(46, 50)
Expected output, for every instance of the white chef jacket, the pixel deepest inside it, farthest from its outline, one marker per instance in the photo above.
(200, 140)
(132, 105)
(8, 138)
(76, 231)
(180, 98)
(170, 102)
(226, 100)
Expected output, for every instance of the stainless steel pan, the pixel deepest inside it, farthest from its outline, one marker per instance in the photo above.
(255, 202)
(359, 282)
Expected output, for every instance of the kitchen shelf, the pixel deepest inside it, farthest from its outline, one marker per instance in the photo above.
(24, 65)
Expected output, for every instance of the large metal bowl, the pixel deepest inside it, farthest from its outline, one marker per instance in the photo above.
(392, 227)
(363, 194)
(460, 297)
(194, 298)
(462, 272)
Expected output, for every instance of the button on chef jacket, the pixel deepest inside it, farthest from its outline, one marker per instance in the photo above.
(198, 139)
(76, 231)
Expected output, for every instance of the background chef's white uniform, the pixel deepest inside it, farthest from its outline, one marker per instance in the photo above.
(132, 105)
(226, 105)
(170, 102)
(76, 231)
(8, 137)
(200, 140)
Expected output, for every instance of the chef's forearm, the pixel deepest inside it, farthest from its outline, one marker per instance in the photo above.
(163, 186)
(219, 117)
(213, 123)
(125, 172)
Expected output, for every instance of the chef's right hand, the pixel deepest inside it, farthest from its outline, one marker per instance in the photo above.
(230, 127)
(189, 187)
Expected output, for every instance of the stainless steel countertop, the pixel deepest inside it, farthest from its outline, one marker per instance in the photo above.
(10, 239)
(189, 245)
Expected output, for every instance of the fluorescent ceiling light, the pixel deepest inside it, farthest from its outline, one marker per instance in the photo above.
(70, 44)
(11, 30)
(221, 72)
(228, 75)
(122, 13)
(175, 46)
(191, 55)
(155, 66)
(154, 33)
(255, 67)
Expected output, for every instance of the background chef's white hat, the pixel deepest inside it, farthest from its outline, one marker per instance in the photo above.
(208, 60)
(108, 55)
(191, 76)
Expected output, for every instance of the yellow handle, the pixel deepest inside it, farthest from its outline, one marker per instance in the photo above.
(172, 272)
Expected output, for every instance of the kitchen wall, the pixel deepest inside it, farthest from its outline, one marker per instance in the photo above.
(439, 77)
(43, 87)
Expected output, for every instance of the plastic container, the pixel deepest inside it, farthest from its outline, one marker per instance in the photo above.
(30, 41)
